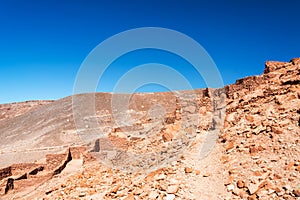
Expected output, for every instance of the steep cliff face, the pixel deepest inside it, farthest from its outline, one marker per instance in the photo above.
(254, 154)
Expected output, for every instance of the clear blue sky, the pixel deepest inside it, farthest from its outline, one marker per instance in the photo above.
(43, 43)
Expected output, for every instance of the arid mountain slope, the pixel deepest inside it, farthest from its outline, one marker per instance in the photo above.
(254, 154)
(12, 110)
(51, 127)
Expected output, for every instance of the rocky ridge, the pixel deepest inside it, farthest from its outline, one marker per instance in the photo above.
(256, 155)
(261, 134)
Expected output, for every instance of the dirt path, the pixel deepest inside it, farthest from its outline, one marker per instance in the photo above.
(210, 184)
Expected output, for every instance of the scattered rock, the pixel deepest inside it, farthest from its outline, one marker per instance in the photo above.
(160, 176)
(207, 174)
(82, 194)
(188, 170)
(253, 188)
(172, 189)
(167, 136)
(170, 197)
(153, 195)
(253, 150)
(252, 197)
(130, 197)
(115, 188)
(230, 146)
(296, 192)
(240, 184)
(230, 187)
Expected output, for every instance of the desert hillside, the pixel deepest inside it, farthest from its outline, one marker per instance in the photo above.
(237, 142)
(14, 109)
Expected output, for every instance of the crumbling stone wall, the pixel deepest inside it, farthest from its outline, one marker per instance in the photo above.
(5, 172)
(63, 166)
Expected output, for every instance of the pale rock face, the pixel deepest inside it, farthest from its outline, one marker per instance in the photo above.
(256, 155)
(153, 195)
(172, 189)
(170, 197)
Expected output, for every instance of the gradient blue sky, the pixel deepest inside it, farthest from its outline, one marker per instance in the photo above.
(43, 43)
